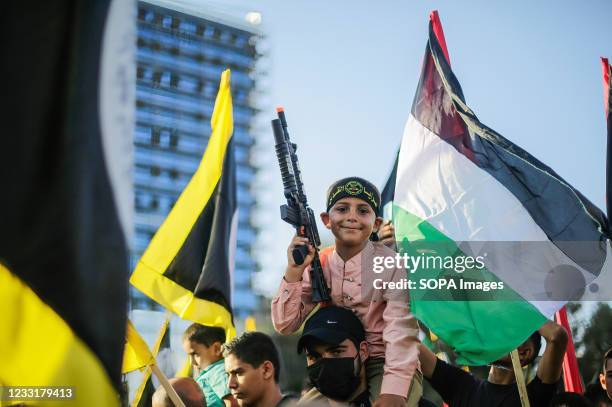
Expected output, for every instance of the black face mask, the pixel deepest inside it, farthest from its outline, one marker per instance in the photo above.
(336, 378)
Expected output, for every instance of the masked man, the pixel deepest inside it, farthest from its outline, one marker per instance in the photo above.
(336, 351)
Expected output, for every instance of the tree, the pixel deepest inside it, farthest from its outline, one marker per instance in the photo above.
(592, 338)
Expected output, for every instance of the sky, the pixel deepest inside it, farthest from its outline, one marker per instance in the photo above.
(346, 73)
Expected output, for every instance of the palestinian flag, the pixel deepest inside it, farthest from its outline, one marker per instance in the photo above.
(188, 265)
(63, 216)
(502, 240)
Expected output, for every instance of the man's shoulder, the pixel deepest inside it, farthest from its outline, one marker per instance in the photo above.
(313, 398)
(288, 400)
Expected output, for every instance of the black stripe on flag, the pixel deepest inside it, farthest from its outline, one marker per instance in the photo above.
(202, 265)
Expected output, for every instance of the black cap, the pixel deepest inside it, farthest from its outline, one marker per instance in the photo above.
(332, 325)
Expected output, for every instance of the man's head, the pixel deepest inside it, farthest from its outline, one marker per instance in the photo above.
(528, 351)
(203, 344)
(186, 388)
(353, 210)
(336, 350)
(253, 367)
(605, 377)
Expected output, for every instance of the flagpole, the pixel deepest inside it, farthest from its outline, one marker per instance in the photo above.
(520, 378)
(169, 389)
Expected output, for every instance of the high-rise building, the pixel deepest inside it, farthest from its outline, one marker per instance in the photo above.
(180, 57)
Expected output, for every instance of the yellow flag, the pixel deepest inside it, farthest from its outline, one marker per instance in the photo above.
(186, 370)
(146, 389)
(137, 354)
(249, 324)
(186, 267)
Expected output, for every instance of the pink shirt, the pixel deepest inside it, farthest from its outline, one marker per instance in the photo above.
(391, 329)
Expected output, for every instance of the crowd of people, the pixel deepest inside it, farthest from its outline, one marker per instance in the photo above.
(362, 348)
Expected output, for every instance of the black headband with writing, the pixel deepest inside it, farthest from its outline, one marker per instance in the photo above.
(354, 187)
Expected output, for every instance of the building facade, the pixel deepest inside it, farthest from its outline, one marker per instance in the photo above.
(180, 57)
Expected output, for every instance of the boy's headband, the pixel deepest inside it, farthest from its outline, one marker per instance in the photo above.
(354, 187)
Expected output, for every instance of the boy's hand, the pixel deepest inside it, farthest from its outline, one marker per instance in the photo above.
(390, 400)
(294, 271)
(386, 234)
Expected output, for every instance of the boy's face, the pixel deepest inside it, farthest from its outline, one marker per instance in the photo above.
(351, 220)
(202, 356)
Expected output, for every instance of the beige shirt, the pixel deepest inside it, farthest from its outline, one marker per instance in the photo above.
(391, 329)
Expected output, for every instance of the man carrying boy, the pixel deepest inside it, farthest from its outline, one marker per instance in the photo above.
(336, 352)
(204, 345)
(353, 208)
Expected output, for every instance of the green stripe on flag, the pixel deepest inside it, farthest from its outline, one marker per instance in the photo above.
(482, 326)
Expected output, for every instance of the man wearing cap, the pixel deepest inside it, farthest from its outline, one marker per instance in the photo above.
(336, 351)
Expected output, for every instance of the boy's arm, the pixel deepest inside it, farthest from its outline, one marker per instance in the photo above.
(292, 304)
(551, 364)
(293, 301)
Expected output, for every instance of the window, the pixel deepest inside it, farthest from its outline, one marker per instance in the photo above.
(165, 78)
(209, 31)
(155, 171)
(167, 21)
(157, 78)
(174, 80)
(137, 201)
(155, 136)
(154, 204)
(188, 27)
(174, 139)
(149, 16)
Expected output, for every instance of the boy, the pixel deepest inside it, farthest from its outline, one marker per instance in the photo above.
(204, 345)
(353, 208)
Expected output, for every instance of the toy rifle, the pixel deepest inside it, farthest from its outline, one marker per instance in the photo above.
(297, 212)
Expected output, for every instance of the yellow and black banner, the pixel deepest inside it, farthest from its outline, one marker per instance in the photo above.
(63, 258)
(187, 267)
